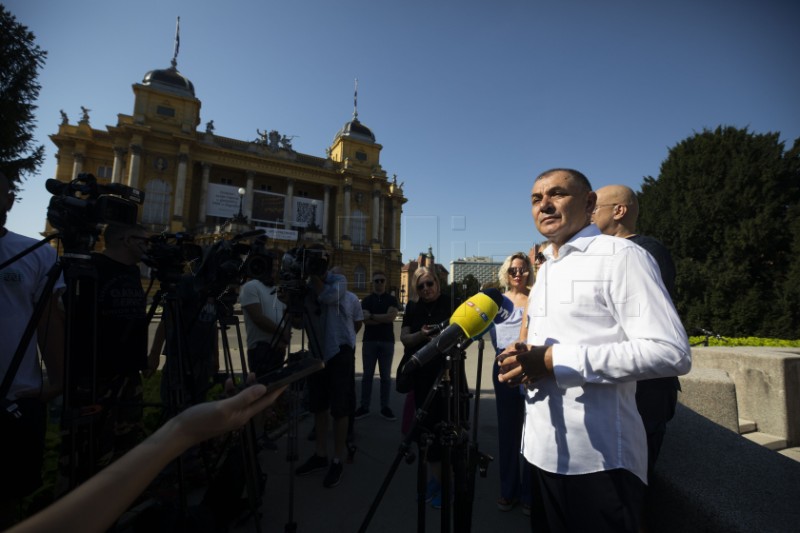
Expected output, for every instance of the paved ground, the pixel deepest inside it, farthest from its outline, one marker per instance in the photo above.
(344, 508)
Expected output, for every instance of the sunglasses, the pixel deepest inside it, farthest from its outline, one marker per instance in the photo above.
(424, 284)
(378, 281)
(517, 271)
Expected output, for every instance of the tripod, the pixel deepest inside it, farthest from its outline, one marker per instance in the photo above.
(458, 455)
(296, 312)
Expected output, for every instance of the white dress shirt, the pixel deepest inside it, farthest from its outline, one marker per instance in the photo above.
(603, 307)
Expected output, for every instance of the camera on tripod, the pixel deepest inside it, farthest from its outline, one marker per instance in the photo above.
(230, 262)
(299, 263)
(169, 253)
(77, 208)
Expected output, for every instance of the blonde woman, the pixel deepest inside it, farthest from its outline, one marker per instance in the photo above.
(515, 277)
(427, 309)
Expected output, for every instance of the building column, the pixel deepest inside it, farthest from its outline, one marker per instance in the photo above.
(248, 196)
(180, 186)
(201, 216)
(326, 203)
(77, 164)
(288, 215)
(116, 171)
(348, 190)
(134, 166)
(397, 209)
(376, 215)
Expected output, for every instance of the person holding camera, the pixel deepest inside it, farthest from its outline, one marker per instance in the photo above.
(21, 285)
(263, 311)
(110, 381)
(332, 389)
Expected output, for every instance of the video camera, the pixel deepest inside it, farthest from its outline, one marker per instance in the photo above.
(169, 253)
(299, 263)
(77, 208)
(229, 262)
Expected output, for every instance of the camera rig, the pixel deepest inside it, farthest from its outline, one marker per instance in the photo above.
(78, 209)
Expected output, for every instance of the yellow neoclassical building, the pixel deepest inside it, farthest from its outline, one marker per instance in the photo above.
(197, 181)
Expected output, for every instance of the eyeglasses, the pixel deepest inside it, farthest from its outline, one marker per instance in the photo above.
(602, 205)
(378, 281)
(424, 284)
(517, 271)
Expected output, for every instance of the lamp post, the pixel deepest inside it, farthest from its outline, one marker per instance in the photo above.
(239, 219)
(242, 192)
(402, 297)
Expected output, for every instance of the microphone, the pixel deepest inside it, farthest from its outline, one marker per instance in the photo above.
(470, 319)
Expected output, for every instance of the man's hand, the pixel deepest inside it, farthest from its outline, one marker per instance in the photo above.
(524, 363)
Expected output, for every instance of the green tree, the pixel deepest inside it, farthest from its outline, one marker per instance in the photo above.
(726, 205)
(20, 60)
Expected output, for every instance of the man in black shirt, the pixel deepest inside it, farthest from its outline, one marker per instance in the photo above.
(380, 310)
(615, 214)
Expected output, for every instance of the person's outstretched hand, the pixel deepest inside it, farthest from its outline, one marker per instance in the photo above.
(206, 420)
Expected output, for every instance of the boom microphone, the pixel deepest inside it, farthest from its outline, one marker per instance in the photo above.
(470, 319)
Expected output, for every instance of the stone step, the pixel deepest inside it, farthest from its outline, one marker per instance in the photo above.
(791, 453)
(746, 426)
(771, 442)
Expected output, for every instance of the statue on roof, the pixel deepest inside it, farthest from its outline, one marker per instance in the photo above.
(64, 118)
(85, 114)
(210, 126)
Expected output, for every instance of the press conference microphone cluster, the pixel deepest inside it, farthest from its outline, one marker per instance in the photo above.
(470, 320)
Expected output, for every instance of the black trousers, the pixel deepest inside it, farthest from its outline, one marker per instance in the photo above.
(608, 501)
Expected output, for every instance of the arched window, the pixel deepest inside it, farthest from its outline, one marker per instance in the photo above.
(157, 202)
(358, 228)
(360, 277)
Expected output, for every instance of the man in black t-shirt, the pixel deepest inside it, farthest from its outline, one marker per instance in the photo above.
(107, 379)
(380, 310)
(615, 214)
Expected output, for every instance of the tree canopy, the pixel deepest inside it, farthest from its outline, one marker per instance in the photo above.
(726, 203)
(20, 60)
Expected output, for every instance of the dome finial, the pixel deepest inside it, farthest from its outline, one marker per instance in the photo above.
(355, 102)
(177, 43)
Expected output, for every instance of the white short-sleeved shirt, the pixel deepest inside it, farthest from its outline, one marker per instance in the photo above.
(21, 285)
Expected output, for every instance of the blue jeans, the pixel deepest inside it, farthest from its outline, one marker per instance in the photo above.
(382, 353)
(515, 472)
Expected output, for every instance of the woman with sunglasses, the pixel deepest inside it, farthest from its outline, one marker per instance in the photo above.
(424, 312)
(516, 277)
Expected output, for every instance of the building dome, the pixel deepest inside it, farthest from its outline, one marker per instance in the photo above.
(356, 130)
(171, 80)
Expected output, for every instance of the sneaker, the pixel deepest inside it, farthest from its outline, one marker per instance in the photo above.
(388, 414)
(312, 465)
(504, 504)
(433, 490)
(360, 413)
(334, 475)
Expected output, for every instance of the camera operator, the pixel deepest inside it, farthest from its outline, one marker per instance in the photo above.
(200, 347)
(21, 284)
(121, 350)
(263, 310)
(331, 390)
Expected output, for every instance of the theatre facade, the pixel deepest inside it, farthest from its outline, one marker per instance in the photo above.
(214, 187)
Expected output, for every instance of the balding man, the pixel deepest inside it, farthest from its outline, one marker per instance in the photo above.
(615, 214)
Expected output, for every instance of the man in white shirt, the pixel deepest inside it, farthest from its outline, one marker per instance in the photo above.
(599, 320)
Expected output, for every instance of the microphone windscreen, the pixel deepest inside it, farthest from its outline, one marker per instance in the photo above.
(475, 315)
(504, 311)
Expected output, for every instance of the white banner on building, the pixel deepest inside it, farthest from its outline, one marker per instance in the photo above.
(223, 200)
(280, 234)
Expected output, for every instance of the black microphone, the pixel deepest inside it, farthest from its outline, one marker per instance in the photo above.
(470, 319)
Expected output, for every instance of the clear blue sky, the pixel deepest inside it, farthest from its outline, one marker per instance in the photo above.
(470, 99)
